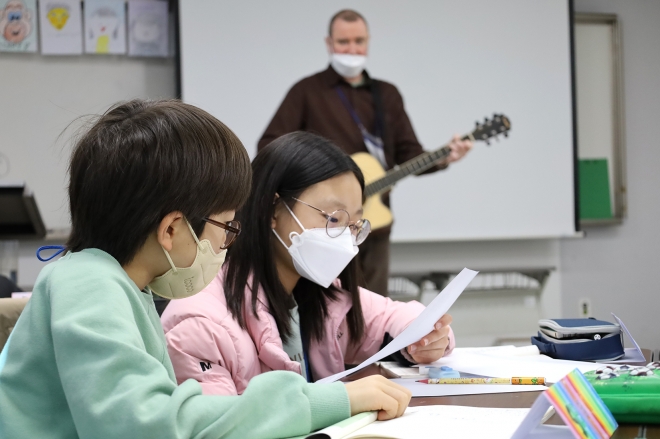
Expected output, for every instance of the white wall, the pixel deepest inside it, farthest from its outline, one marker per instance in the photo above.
(42, 95)
(617, 267)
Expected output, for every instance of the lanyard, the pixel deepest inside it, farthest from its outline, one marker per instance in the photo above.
(59, 248)
(308, 371)
(374, 143)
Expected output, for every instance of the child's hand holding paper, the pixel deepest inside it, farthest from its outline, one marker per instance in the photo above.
(432, 346)
(424, 323)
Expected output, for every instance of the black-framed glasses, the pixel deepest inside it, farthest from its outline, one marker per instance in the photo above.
(232, 230)
(339, 220)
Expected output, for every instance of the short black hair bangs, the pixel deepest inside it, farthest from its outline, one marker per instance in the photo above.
(144, 159)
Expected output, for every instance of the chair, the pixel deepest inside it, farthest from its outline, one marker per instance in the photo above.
(10, 310)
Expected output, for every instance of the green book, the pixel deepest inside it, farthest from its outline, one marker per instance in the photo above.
(595, 192)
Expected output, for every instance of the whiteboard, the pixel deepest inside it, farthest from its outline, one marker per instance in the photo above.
(42, 95)
(454, 62)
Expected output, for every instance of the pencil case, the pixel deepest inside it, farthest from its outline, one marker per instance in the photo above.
(632, 393)
(579, 339)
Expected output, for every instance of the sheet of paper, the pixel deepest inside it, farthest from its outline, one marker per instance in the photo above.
(502, 351)
(480, 363)
(420, 389)
(447, 421)
(421, 326)
(632, 355)
(21, 295)
(506, 350)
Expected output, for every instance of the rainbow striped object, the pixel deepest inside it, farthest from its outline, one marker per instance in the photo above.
(581, 408)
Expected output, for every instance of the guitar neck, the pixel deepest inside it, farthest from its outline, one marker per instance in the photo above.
(413, 166)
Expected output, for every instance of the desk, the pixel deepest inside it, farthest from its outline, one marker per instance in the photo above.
(513, 400)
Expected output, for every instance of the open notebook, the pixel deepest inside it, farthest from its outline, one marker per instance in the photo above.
(429, 422)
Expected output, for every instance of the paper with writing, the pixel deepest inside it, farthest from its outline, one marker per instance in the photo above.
(420, 327)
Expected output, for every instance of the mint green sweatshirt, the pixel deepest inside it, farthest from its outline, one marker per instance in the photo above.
(87, 359)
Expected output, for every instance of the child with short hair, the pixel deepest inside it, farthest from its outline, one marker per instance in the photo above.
(153, 190)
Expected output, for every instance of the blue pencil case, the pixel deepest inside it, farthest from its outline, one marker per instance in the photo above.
(579, 339)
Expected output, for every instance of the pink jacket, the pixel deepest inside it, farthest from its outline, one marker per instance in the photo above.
(207, 344)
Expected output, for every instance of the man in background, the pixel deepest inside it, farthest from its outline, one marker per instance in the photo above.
(359, 114)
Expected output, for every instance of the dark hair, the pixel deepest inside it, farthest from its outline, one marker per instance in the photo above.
(144, 159)
(347, 15)
(288, 166)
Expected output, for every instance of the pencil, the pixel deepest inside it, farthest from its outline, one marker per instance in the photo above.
(514, 380)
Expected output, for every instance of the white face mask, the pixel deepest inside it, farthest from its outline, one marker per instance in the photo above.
(318, 257)
(347, 65)
(179, 283)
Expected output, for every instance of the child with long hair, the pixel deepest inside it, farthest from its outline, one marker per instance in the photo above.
(288, 296)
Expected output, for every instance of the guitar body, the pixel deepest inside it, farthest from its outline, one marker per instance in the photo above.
(378, 214)
(378, 181)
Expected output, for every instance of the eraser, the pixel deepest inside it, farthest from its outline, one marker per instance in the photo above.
(443, 372)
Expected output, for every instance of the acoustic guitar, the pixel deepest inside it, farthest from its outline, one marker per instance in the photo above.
(379, 181)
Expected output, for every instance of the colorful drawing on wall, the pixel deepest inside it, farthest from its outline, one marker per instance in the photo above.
(148, 28)
(105, 26)
(18, 26)
(61, 27)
